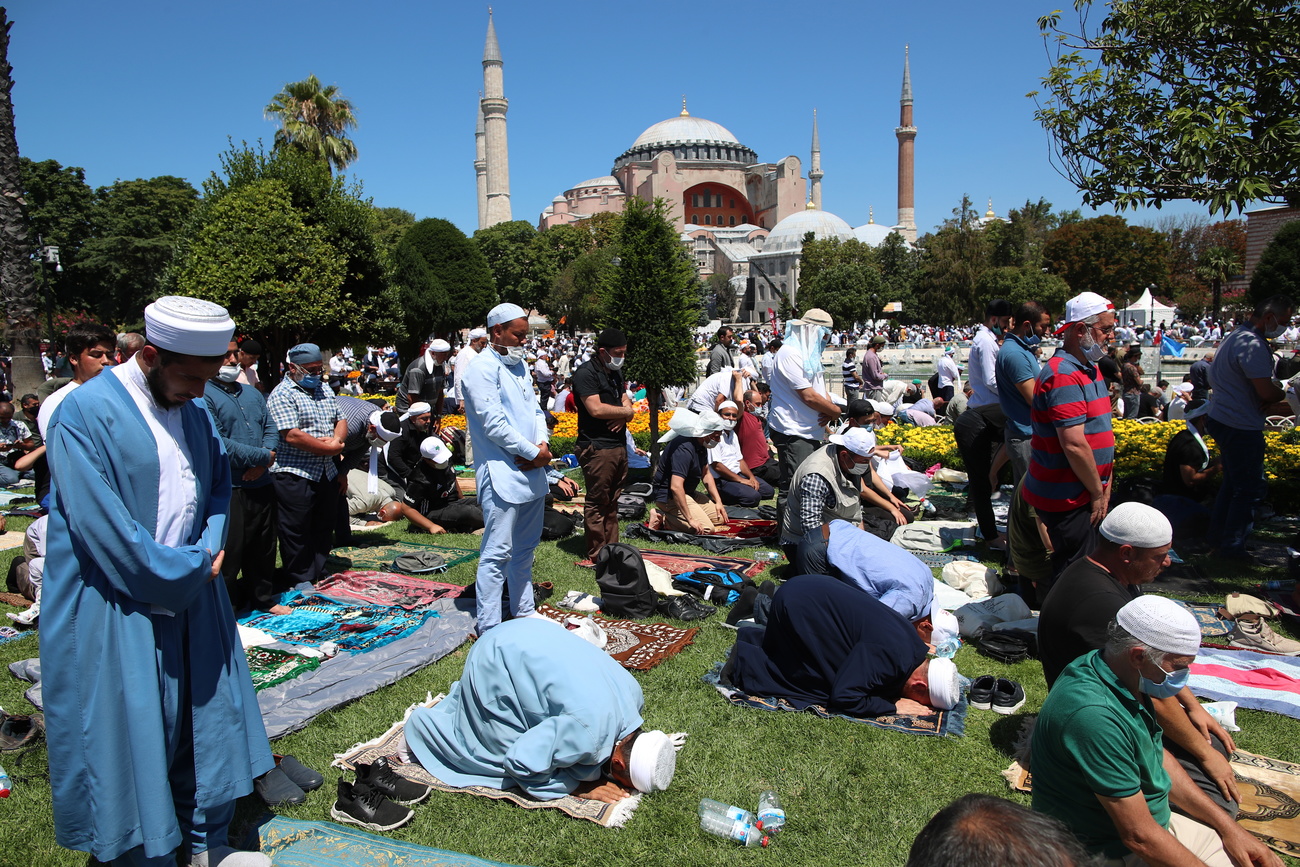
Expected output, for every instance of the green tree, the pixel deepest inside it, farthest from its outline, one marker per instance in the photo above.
(454, 266)
(60, 207)
(899, 263)
(1190, 238)
(1278, 271)
(390, 225)
(1176, 99)
(1018, 285)
(845, 290)
(510, 253)
(315, 120)
(651, 297)
(1107, 256)
(721, 297)
(952, 261)
(577, 298)
(1216, 266)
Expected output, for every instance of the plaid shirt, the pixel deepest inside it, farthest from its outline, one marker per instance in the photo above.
(312, 412)
(817, 496)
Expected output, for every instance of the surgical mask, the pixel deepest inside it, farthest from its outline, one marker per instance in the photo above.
(615, 362)
(310, 382)
(229, 372)
(1168, 688)
(514, 354)
(1032, 340)
(1092, 350)
(1273, 332)
(997, 330)
(858, 469)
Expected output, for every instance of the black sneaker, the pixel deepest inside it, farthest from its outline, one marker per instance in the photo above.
(981, 692)
(1008, 696)
(380, 775)
(366, 806)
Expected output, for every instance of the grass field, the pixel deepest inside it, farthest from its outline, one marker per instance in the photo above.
(853, 794)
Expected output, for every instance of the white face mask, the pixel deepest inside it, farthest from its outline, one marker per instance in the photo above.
(514, 354)
(615, 362)
(1092, 350)
(229, 372)
(859, 469)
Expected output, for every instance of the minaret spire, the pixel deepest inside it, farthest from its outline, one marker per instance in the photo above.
(815, 174)
(496, 155)
(906, 133)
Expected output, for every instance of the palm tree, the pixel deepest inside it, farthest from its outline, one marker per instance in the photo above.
(315, 119)
(1217, 264)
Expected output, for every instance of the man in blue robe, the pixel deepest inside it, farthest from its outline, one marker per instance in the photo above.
(540, 709)
(154, 728)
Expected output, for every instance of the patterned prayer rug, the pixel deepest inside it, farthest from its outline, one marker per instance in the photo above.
(9, 633)
(17, 600)
(380, 557)
(635, 644)
(355, 628)
(940, 722)
(385, 588)
(269, 667)
(11, 539)
(677, 562)
(296, 843)
(390, 743)
(1207, 617)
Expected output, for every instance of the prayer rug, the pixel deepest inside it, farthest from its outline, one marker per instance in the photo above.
(7, 497)
(269, 666)
(17, 600)
(391, 743)
(635, 644)
(11, 539)
(941, 722)
(385, 588)
(1207, 617)
(31, 511)
(677, 562)
(355, 628)
(296, 843)
(1254, 680)
(938, 561)
(380, 557)
(9, 633)
(468, 486)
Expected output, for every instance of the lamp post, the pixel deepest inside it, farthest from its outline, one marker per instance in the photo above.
(875, 314)
(50, 260)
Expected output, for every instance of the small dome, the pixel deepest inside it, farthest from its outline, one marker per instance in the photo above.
(788, 234)
(872, 233)
(679, 130)
(606, 181)
(557, 199)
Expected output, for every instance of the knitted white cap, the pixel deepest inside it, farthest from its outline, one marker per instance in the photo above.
(1161, 624)
(945, 688)
(505, 313)
(653, 761)
(1138, 525)
(190, 326)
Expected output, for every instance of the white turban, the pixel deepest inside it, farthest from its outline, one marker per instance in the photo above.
(478, 333)
(1138, 525)
(377, 420)
(190, 326)
(686, 423)
(945, 687)
(440, 345)
(1161, 624)
(653, 761)
(419, 408)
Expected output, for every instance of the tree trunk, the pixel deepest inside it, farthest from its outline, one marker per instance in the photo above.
(1218, 297)
(18, 291)
(655, 396)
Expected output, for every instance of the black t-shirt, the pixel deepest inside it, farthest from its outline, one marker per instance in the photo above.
(683, 457)
(1081, 604)
(1148, 405)
(1183, 450)
(1109, 368)
(429, 488)
(592, 377)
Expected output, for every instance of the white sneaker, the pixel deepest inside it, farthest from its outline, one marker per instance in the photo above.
(1253, 633)
(25, 618)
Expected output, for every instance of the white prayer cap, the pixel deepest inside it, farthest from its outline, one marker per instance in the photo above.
(440, 345)
(1184, 388)
(1161, 624)
(434, 449)
(478, 333)
(588, 630)
(856, 440)
(945, 626)
(945, 687)
(385, 433)
(505, 313)
(418, 408)
(190, 326)
(1138, 525)
(653, 761)
(882, 407)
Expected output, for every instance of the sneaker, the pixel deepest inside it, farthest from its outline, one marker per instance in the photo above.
(981, 692)
(368, 807)
(1252, 632)
(1008, 696)
(380, 775)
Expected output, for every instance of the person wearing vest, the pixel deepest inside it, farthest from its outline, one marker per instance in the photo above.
(824, 487)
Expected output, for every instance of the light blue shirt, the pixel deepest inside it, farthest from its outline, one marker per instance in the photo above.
(981, 370)
(505, 421)
(882, 569)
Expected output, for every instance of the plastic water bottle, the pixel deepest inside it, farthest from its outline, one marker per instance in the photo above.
(770, 813)
(766, 556)
(928, 506)
(708, 806)
(948, 649)
(733, 829)
(5, 785)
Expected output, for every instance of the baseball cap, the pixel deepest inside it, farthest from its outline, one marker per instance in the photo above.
(1081, 306)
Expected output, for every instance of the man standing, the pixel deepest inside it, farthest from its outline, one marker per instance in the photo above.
(604, 409)
(90, 349)
(948, 375)
(1073, 445)
(873, 374)
(477, 341)
(982, 360)
(250, 352)
(545, 380)
(312, 433)
(801, 406)
(1200, 378)
(148, 753)
(426, 379)
(1016, 370)
(1242, 379)
(721, 355)
(250, 438)
(1130, 375)
(511, 454)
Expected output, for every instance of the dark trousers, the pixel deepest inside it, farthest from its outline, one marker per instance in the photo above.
(978, 440)
(1243, 487)
(605, 471)
(462, 516)
(735, 493)
(1072, 535)
(249, 567)
(308, 513)
(791, 451)
(769, 471)
(1197, 773)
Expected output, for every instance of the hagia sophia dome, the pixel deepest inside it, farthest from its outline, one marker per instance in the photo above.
(689, 138)
(788, 234)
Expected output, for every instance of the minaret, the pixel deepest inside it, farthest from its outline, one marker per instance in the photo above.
(815, 174)
(493, 107)
(480, 166)
(906, 133)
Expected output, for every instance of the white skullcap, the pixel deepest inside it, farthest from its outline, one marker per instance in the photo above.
(882, 407)
(653, 761)
(588, 630)
(1184, 388)
(190, 326)
(434, 449)
(1138, 525)
(728, 403)
(945, 688)
(686, 423)
(385, 434)
(1161, 624)
(856, 440)
(945, 626)
(440, 345)
(505, 313)
(417, 408)
(478, 333)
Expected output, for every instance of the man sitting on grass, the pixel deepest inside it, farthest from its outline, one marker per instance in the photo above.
(831, 645)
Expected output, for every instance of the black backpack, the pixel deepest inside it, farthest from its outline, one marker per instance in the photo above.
(630, 507)
(625, 589)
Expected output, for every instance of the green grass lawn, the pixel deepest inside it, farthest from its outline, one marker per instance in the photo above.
(854, 794)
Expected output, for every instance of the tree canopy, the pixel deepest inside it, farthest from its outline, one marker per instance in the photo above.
(315, 120)
(443, 280)
(1278, 271)
(843, 278)
(1108, 256)
(511, 256)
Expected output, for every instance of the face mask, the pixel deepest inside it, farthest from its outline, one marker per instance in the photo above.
(1274, 331)
(1032, 340)
(514, 355)
(310, 381)
(858, 469)
(1169, 687)
(229, 372)
(997, 330)
(615, 363)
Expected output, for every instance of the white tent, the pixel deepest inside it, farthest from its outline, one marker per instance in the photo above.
(1147, 308)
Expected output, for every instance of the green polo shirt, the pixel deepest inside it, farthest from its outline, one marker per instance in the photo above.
(1095, 738)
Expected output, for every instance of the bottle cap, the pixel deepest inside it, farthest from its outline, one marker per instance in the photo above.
(765, 841)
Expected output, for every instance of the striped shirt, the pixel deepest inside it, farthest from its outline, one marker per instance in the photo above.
(1068, 392)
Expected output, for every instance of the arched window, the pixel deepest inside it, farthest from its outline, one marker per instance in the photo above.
(695, 218)
(708, 219)
(731, 221)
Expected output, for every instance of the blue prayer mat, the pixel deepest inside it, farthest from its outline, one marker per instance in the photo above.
(356, 628)
(295, 843)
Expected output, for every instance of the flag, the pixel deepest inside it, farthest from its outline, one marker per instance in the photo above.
(1169, 346)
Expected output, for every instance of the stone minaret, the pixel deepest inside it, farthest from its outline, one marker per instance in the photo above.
(906, 133)
(493, 108)
(480, 166)
(815, 174)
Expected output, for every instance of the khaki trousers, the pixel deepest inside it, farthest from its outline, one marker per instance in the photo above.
(701, 510)
(1199, 839)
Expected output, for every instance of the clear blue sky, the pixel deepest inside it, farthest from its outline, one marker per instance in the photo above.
(139, 88)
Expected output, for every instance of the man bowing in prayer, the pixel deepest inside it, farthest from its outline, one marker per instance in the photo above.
(154, 728)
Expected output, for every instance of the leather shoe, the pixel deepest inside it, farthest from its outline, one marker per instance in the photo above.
(276, 789)
(679, 609)
(301, 775)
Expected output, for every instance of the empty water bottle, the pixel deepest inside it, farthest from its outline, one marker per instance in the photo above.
(733, 829)
(770, 813)
(5, 785)
(708, 806)
(948, 649)
(766, 556)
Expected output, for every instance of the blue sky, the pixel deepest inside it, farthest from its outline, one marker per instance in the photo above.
(139, 88)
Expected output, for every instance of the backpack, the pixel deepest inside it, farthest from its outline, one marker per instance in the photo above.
(640, 490)
(630, 507)
(625, 589)
(1008, 646)
(712, 585)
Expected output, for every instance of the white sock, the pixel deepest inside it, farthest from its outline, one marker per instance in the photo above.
(224, 856)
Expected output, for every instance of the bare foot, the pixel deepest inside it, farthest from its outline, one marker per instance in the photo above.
(655, 520)
(281, 609)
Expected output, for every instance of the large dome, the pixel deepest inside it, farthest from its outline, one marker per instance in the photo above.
(873, 233)
(788, 234)
(688, 139)
(685, 130)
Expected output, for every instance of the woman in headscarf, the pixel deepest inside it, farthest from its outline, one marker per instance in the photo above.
(682, 466)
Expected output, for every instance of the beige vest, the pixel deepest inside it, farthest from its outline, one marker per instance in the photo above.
(825, 463)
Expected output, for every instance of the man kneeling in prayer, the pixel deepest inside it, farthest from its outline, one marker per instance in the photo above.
(832, 645)
(541, 709)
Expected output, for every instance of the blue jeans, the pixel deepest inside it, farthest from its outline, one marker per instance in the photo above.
(510, 536)
(1243, 487)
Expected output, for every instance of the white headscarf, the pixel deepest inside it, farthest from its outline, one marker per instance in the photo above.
(809, 341)
(686, 423)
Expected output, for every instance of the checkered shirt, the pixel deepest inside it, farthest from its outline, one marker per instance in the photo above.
(312, 412)
(815, 497)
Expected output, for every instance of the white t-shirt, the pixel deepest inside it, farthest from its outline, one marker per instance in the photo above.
(48, 406)
(727, 452)
(789, 414)
(947, 370)
(706, 396)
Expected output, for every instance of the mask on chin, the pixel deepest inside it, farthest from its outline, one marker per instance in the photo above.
(228, 373)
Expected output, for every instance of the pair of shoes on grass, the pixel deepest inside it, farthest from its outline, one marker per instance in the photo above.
(1252, 632)
(380, 799)
(287, 783)
(684, 607)
(997, 694)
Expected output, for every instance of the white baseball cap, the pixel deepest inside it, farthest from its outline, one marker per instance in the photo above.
(1081, 306)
